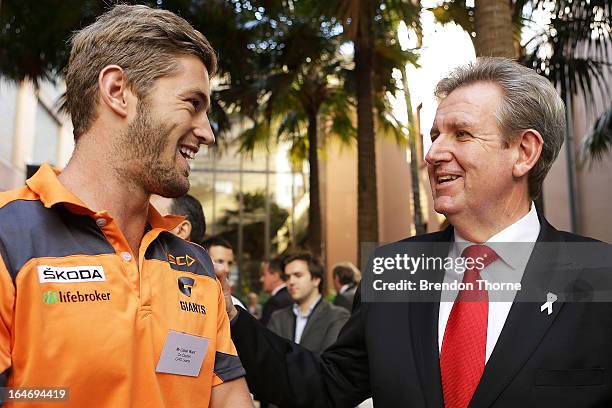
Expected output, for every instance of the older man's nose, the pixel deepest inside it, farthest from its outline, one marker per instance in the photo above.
(439, 151)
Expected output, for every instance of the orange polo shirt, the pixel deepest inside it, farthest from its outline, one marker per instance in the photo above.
(79, 310)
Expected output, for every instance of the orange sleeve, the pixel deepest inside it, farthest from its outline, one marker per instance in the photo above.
(227, 363)
(7, 305)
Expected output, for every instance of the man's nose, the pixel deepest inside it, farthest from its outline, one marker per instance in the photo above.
(203, 131)
(440, 151)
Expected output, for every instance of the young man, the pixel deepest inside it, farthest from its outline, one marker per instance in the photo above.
(346, 278)
(222, 254)
(96, 296)
(497, 131)
(311, 321)
(193, 227)
(273, 282)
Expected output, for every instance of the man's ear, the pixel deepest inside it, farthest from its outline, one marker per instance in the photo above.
(114, 92)
(529, 147)
(183, 230)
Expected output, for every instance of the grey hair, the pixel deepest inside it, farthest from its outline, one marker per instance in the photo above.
(530, 102)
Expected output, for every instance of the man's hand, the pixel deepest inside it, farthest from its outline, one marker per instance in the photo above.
(231, 310)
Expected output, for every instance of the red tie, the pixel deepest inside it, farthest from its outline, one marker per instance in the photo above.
(464, 346)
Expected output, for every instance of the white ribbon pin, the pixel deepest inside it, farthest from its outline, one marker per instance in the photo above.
(550, 299)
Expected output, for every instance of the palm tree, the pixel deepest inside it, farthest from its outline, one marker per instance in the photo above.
(299, 86)
(573, 53)
(494, 26)
(598, 140)
(493, 21)
(370, 25)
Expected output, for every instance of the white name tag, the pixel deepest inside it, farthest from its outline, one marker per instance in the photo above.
(70, 274)
(182, 354)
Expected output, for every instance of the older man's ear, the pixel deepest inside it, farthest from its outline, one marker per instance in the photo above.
(529, 148)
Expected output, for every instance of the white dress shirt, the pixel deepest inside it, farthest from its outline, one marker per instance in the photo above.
(237, 302)
(302, 319)
(277, 289)
(509, 267)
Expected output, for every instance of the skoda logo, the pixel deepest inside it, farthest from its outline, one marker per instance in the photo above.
(185, 284)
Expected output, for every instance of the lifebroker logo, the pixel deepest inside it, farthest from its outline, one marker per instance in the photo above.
(51, 297)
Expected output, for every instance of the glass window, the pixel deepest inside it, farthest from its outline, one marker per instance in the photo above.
(46, 136)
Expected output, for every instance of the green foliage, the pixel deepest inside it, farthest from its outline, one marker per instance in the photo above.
(598, 140)
(573, 51)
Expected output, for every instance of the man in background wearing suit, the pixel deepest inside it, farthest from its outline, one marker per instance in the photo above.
(273, 282)
(311, 321)
(346, 278)
(497, 131)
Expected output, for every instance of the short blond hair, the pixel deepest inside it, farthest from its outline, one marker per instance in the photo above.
(143, 41)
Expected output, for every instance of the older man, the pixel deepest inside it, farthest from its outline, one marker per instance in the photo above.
(497, 131)
(97, 297)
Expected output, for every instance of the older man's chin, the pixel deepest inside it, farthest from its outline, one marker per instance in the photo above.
(445, 205)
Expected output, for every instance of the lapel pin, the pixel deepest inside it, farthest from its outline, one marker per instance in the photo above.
(550, 299)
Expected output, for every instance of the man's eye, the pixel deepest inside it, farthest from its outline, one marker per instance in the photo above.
(463, 133)
(196, 104)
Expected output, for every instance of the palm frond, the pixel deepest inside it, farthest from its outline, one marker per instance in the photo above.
(598, 140)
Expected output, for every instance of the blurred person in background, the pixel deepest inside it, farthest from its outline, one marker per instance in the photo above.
(254, 306)
(346, 278)
(311, 321)
(273, 282)
(222, 254)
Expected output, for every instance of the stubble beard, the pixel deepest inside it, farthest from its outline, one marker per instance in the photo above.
(143, 145)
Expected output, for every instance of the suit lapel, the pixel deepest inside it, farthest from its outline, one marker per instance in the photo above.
(313, 322)
(424, 332)
(287, 327)
(548, 270)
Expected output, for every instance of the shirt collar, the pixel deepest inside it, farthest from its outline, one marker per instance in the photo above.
(296, 308)
(51, 191)
(344, 288)
(277, 289)
(526, 230)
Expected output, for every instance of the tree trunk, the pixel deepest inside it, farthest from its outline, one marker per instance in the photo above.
(494, 29)
(314, 209)
(419, 226)
(367, 197)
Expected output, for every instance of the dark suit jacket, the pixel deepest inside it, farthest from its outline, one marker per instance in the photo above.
(321, 330)
(345, 299)
(280, 300)
(390, 351)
